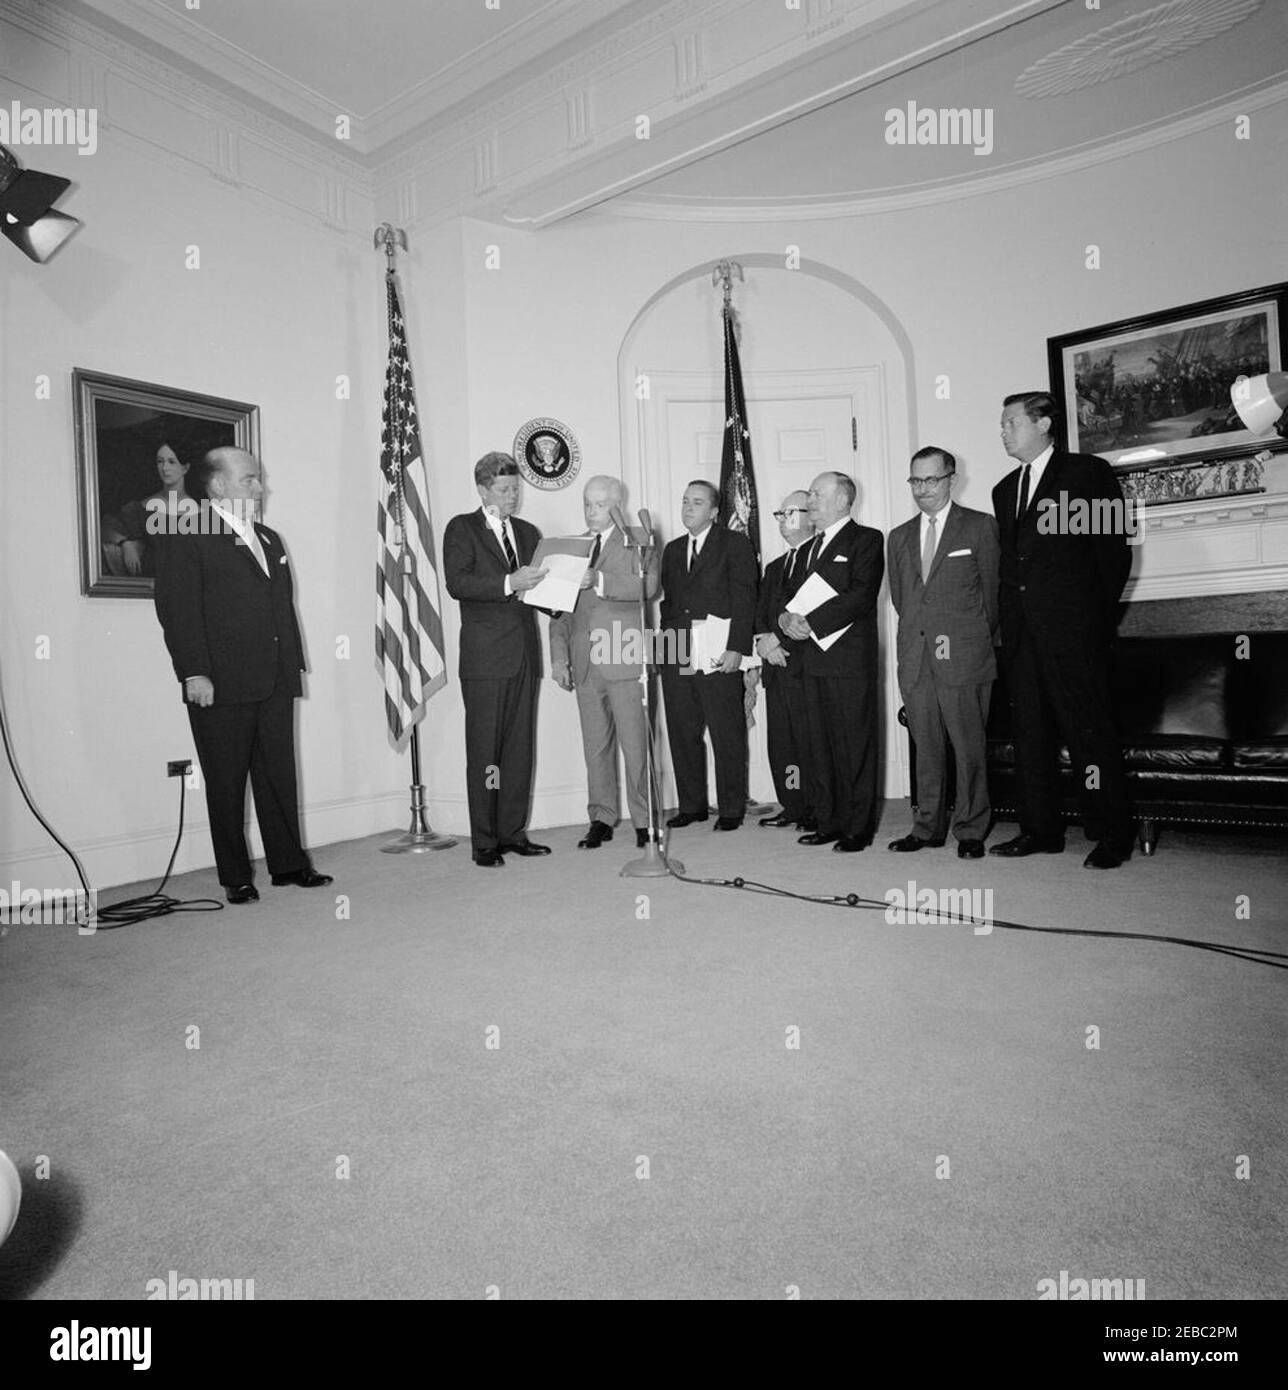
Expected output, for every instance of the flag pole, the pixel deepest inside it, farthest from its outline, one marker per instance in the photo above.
(723, 274)
(421, 837)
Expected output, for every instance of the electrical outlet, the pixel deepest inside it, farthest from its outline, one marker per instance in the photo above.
(181, 767)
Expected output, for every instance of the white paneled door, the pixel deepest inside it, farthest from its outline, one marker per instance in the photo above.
(801, 424)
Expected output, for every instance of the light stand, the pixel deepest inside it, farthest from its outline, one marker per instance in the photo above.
(655, 863)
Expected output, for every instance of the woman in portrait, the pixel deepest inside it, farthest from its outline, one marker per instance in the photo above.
(146, 523)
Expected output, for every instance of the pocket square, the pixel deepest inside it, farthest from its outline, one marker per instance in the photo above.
(952, 553)
(839, 559)
(282, 561)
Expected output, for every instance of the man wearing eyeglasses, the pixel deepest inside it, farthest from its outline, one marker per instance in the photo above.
(943, 568)
(786, 716)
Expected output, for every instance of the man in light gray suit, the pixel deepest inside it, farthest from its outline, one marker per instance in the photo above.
(943, 568)
(596, 650)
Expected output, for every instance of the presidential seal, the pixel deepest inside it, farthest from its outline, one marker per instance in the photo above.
(547, 453)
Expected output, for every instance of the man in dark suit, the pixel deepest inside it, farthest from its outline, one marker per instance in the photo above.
(786, 718)
(596, 650)
(841, 676)
(943, 583)
(1065, 559)
(487, 564)
(709, 572)
(226, 604)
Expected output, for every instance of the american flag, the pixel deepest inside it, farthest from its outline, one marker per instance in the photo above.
(738, 506)
(409, 628)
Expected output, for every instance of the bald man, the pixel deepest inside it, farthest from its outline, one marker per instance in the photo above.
(841, 677)
(786, 716)
(227, 608)
(594, 651)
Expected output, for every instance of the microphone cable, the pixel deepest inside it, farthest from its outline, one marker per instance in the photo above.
(128, 911)
(1277, 960)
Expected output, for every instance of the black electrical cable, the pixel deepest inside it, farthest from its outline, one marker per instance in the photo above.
(130, 910)
(155, 904)
(1277, 960)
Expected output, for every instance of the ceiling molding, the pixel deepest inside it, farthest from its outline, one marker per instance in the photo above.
(1120, 146)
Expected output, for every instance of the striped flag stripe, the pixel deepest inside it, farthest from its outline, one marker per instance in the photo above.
(409, 628)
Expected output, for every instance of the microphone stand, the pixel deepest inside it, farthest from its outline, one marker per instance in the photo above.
(655, 862)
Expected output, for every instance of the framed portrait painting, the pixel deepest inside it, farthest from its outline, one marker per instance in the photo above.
(1153, 392)
(135, 442)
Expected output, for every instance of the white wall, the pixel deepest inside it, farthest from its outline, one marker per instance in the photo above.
(278, 309)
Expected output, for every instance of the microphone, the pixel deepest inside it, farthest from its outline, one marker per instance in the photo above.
(619, 520)
(646, 520)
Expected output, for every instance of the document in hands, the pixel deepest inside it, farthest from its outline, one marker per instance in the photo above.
(811, 595)
(708, 642)
(567, 558)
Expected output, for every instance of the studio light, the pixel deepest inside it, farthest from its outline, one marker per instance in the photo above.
(27, 215)
(1260, 400)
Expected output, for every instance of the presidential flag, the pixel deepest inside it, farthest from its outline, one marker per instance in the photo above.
(738, 508)
(409, 628)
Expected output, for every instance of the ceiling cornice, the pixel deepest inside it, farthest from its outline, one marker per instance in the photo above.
(1118, 146)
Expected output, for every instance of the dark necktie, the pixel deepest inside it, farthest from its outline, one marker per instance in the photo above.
(693, 552)
(594, 550)
(510, 556)
(1024, 493)
(789, 566)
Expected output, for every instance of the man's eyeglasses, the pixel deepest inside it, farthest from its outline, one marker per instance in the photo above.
(790, 511)
(932, 481)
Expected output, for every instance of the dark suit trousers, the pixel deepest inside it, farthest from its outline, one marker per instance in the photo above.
(256, 740)
(939, 713)
(843, 754)
(695, 704)
(500, 716)
(787, 734)
(1061, 693)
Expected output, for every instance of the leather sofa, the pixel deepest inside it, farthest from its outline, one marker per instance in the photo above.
(1204, 727)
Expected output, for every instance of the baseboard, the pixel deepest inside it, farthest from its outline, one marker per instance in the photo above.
(140, 856)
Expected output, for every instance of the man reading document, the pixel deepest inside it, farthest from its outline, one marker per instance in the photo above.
(834, 617)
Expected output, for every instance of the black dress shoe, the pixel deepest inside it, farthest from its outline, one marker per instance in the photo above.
(641, 839)
(910, 843)
(596, 835)
(525, 848)
(779, 822)
(850, 844)
(970, 849)
(1029, 844)
(303, 878)
(683, 818)
(808, 825)
(816, 837)
(1107, 855)
(728, 823)
(242, 893)
(489, 859)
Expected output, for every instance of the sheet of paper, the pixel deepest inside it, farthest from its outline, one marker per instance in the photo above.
(811, 595)
(559, 589)
(708, 642)
(562, 545)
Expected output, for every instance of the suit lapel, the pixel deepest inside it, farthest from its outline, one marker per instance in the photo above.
(491, 540)
(705, 553)
(248, 554)
(951, 534)
(1047, 488)
(825, 552)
